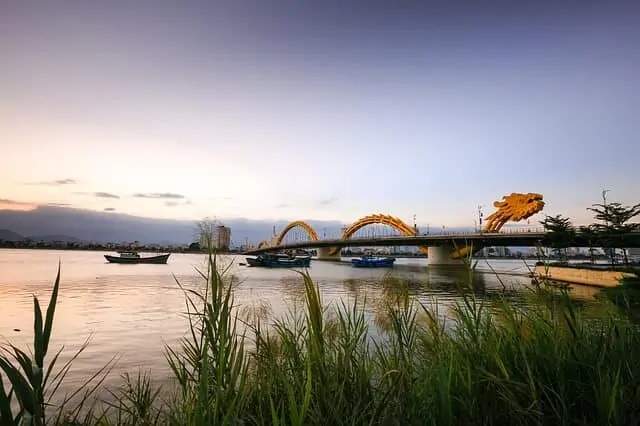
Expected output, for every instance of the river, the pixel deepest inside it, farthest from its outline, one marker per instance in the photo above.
(132, 311)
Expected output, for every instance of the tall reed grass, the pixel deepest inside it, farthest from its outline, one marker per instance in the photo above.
(499, 365)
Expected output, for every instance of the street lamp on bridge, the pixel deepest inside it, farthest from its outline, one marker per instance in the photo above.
(415, 227)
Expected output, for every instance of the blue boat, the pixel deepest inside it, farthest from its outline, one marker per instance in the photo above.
(373, 262)
(270, 260)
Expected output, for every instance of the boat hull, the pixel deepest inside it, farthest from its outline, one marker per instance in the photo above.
(373, 263)
(298, 262)
(153, 260)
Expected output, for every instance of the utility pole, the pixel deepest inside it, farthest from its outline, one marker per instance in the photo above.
(604, 196)
(415, 227)
(604, 202)
(612, 252)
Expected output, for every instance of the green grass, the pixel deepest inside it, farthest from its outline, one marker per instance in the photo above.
(499, 364)
(626, 297)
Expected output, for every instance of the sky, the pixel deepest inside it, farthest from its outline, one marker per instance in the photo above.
(330, 111)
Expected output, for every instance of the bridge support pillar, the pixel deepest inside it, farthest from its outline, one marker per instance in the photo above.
(441, 256)
(323, 254)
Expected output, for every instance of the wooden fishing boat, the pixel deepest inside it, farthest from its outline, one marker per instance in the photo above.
(132, 257)
(273, 260)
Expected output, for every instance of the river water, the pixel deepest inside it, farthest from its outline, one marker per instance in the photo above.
(133, 311)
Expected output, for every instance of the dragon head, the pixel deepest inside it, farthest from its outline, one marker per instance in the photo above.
(513, 208)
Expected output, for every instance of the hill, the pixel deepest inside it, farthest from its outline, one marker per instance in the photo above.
(65, 223)
(50, 238)
(8, 235)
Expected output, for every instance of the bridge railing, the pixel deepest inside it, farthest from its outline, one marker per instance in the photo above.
(437, 233)
(523, 230)
(515, 230)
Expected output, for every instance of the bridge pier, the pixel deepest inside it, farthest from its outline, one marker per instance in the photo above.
(441, 256)
(323, 254)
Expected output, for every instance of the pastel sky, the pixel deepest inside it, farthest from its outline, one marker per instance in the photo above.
(318, 110)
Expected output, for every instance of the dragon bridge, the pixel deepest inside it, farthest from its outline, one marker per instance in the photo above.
(512, 208)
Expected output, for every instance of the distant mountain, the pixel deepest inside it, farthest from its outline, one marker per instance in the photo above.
(86, 225)
(50, 238)
(7, 235)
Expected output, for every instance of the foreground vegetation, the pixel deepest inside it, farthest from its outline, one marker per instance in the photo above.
(492, 364)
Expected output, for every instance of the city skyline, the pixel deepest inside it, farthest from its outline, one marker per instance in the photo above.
(325, 113)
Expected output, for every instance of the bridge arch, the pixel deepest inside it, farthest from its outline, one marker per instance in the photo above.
(264, 244)
(297, 224)
(374, 219)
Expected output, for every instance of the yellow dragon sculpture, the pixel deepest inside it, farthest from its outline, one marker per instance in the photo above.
(512, 208)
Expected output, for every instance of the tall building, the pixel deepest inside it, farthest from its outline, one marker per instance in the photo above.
(220, 239)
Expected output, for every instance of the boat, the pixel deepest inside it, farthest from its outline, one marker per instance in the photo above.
(279, 260)
(132, 257)
(373, 262)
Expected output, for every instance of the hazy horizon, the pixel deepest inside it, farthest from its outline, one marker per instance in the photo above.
(324, 112)
(88, 225)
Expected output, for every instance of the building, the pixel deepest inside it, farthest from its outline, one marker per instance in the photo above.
(220, 239)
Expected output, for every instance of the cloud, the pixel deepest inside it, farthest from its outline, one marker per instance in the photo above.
(100, 194)
(109, 209)
(328, 201)
(160, 195)
(283, 206)
(59, 204)
(172, 203)
(58, 182)
(7, 204)
(14, 202)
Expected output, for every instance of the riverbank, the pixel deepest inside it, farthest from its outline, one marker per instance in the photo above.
(600, 276)
(486, 363)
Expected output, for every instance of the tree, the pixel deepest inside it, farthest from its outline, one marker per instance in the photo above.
(205, 232)
(561, 234)
(613, 232)
(591, 236)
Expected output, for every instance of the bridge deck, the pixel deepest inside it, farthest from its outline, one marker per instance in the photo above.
(522, 239)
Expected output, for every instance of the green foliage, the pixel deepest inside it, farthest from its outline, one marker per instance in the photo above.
(591, 236)
(561, 233)
(615, 226)
(211, 366)
(491, 363)
(626, 297)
